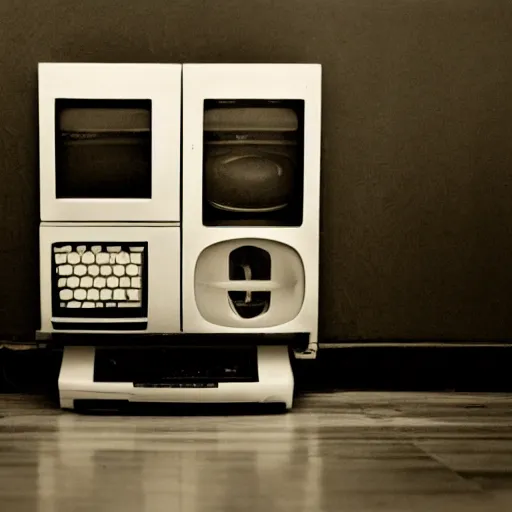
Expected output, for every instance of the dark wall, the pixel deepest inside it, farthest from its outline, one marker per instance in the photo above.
(417, 143)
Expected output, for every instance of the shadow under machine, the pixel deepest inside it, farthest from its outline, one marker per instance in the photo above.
(179, 229)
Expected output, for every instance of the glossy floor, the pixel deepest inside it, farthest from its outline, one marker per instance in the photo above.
(351, 452)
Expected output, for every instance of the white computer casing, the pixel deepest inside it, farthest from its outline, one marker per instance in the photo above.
(159, 83)
(186, 257)
(251, 81)
(164, 302)
(275, 383)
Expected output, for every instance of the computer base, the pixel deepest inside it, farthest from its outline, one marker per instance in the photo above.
(250, 375)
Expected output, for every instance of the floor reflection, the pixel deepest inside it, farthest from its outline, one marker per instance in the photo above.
(334, 453)
(185, 464)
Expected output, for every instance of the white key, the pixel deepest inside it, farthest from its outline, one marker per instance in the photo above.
(65, 294)
(89, 305)
(73, 258)
(119, 294)
(81, 249)
(105, 270)
(112, 259)
(99, 304)
(74, 304)
(93, 270)
(80, 294)
(80, 270)
(130, 304)
(132, 270)
(119, 270)
(102, 258)
(65, 248)
(136, 258)
(61, 258)
(100, 282)
(112, 282)
(96, 249)
(65, 270)
(114, 248)
(86, 282)
(124, 282)
(111, 305)
(62, 304)
(88, 258)
(122, 258)
(73, 282)
(136, 282)
(136, 249)
(133, 294)
(106, 294)
(93, 294)
(61, 282)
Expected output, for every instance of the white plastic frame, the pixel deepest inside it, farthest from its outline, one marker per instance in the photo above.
(251, 81)
(275, 383)
(164, 305)
(160, 83)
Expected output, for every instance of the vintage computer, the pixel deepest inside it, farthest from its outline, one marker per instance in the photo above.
(179, 203)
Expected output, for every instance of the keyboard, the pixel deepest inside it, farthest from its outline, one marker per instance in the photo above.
(99, 280)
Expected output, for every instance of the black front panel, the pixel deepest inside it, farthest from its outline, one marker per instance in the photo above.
(100, 279)
(176, 367)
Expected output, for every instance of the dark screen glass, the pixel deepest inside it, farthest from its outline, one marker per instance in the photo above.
(103, 148)
(253, 166)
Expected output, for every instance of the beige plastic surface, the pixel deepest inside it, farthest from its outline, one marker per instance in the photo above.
(212, 284)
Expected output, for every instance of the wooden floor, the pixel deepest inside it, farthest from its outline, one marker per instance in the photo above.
(351, 452)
